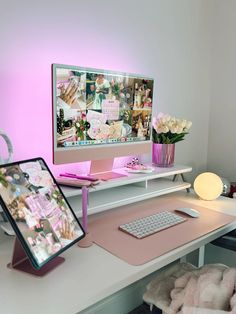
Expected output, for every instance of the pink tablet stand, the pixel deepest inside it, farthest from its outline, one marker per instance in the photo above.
(21, 262)
(87, 240)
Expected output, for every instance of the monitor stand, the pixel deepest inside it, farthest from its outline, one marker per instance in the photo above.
(103, 169)
(21, 262)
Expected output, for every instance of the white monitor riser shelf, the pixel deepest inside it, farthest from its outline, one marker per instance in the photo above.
(129, 189)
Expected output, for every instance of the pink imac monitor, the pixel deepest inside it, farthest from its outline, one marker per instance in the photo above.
(99, 115)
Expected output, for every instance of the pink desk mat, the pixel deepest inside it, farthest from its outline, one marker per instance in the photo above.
(105, 232)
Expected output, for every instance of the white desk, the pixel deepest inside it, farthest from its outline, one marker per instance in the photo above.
(88, 275)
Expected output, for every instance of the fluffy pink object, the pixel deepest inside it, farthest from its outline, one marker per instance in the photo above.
(185, 289)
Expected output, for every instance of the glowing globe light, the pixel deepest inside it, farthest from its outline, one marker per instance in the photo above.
(208, 186)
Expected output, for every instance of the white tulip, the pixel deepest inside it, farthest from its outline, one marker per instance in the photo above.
(188, 125)
(173, 130)
(183, 123)
(166, 118)
(165, 129)
(154, 122)
(160, 115)
(165, 123)
(162, 129)
(178, 122)
(170, 124)
(179, 130)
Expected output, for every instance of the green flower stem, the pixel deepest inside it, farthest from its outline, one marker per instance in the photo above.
(167, 138)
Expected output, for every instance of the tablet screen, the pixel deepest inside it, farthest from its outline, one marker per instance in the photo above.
(40, 215)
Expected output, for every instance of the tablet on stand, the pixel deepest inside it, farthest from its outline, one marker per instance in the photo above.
(42, 219)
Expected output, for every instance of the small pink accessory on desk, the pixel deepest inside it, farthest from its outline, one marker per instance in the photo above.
(80, 177)
(136, 167)
(72, 182)
(77, 181)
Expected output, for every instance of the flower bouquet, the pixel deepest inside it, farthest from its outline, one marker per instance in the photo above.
(166, 131)
(169, 130)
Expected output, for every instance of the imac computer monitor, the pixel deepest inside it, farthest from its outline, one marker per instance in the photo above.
(99, 114)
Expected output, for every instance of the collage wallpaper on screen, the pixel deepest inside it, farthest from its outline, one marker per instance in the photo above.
(38, 208)
(95, 108)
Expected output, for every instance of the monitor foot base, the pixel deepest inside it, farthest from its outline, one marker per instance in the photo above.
(105, 176)
(103, 170)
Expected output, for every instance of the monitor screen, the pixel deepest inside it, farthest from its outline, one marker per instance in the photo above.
(38, 211)
(98, 108)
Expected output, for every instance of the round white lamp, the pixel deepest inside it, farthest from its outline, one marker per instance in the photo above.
(208, 186)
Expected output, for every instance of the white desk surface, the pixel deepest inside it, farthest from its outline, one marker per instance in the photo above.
(88, 275)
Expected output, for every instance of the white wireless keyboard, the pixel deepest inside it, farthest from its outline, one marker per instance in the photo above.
(143, 227)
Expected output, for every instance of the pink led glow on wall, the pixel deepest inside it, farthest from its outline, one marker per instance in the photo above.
(26, 102)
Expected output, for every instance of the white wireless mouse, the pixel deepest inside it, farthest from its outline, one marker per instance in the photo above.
(188, 211)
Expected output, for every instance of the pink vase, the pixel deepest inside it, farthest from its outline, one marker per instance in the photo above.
(163, 155)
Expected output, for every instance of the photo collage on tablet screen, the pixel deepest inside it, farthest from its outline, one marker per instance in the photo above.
(38, 208)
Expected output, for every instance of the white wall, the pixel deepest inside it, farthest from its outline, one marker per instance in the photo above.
(166, 39)
(222, 130)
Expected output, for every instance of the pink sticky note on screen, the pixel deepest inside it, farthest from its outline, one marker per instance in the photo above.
(110, 108)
